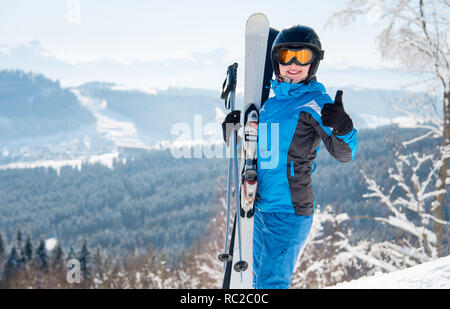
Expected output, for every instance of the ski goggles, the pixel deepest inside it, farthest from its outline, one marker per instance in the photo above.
(287, 56)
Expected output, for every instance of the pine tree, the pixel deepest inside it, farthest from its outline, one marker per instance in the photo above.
(41, 256)
(2, 248)
(11, 266)
(58, 257)
(84, 262)
(97, 267)
(18, 240)
(19, 237)
(58, 269)
(71, 254)
(27, 250)
(97, 258)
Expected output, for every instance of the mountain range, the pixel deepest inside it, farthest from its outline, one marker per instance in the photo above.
(42, 120)
(205, 69)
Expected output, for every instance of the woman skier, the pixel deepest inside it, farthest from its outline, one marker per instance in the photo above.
(291, 126)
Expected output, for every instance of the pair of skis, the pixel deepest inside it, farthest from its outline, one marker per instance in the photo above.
(238, 252)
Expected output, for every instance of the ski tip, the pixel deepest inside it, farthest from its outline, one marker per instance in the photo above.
(258, 17)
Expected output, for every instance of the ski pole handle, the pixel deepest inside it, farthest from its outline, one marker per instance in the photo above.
(230, 82)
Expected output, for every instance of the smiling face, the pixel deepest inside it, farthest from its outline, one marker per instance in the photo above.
(294, 71)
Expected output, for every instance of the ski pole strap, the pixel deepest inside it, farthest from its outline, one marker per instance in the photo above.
(229, 84)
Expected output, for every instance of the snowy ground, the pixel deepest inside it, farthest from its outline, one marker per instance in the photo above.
(122, 133)
(431, 275)
(106, 159)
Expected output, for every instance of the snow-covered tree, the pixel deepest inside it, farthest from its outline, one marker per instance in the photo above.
(409, 198)
(322, 262)
(409, 210)
(414, 34)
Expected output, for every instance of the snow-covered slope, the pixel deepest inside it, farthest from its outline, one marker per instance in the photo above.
(431, 275)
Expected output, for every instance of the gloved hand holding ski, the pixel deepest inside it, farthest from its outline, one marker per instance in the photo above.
(231, 123)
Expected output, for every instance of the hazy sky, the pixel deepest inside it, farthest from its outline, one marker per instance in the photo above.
(155, 30)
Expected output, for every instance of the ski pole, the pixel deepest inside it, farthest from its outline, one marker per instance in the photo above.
(228, 94)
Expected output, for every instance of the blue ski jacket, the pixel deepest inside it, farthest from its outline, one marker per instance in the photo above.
(289, 134)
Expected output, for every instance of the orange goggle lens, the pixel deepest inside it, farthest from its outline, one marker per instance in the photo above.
(302, 56)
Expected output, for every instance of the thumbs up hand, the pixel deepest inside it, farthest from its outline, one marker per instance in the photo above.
(334, 116)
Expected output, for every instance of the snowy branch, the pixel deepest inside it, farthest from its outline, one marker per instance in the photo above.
(414, 33)
(356, 251)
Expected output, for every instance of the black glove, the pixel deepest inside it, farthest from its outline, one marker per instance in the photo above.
(232, 122)
(334, 116)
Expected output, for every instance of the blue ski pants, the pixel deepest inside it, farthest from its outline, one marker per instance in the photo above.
(277, 239)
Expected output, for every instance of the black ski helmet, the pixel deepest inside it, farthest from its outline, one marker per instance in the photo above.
(298, 36)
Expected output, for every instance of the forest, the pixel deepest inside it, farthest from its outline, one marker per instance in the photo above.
(155, 201)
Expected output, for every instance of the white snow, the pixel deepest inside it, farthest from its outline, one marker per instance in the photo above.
(430, 275)
(374, 122)
(51, 244)
(106, 159)
(121, 132)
